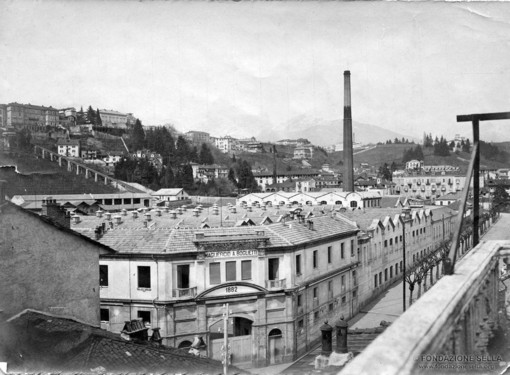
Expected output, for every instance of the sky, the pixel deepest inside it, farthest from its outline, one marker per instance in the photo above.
(248, 68)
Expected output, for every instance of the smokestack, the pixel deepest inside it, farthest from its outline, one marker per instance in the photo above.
(348, 157)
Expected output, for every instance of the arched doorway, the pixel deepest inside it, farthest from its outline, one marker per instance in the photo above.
(239, 339)
(275, 346)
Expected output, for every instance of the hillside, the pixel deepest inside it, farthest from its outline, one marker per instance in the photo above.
(42, 177)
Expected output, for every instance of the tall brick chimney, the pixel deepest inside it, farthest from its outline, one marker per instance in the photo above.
(52, 210)
(348, 157)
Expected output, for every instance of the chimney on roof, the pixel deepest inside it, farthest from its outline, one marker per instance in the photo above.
(145, 223)
(52, 210)
(2, 191)
(118, 219)
(348, 155)
(196, 212)
(233, 210)
(108, 215)
(147, 216)
(124, 212)
(249, 209)
(99, 213)
(173, 214)
(75, 219)
(310, 224)
(158, 212)
(135, 214)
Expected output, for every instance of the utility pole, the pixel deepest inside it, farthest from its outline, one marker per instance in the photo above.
(225, 349)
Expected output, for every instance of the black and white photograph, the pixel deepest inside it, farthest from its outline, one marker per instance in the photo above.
(254, 187)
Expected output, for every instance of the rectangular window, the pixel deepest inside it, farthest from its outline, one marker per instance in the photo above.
(391, 241)
(400, 238)
(352, 248)
(330, 286)
(315, 293)
(103, 275)
(230, 271)
(108, 202)
(117, 201)
(342, 282)
(144, 277)
(400, 266)
(354, 293)
(342, 255)
(273, 264)
(136, 200)
(343, 300)
(316, 315)
(385, 274)
(145, 316)
(183, 276)
(385, 243)
(214, 273)
(300, 300)
(330, 307)
(391, 272)
(298, 264)
(315, 259)
(354, 278)
(396, 239)
(127, 200)
(396, 269)
(105, 315)
(329, 254)
(380, 278)
(246, 270)
(375, 281)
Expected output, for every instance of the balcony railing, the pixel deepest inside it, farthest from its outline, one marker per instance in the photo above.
(184, 293)
(275, 284)
(456, 317)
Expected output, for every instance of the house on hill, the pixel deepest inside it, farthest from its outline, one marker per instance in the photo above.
(68, 147)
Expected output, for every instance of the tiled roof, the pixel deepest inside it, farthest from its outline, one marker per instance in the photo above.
(168, 191)
(59, 344)
(171, 240)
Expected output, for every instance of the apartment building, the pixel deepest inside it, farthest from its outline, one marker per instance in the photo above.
(428, 185)
(68, 147)
(30, 116)
(113, 118)
(266, 178)
(198, 137)
(204, 173)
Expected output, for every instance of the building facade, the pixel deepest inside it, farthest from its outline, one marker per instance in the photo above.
(205, 173)
(281, 281)
(68, 147)
(198, 137)
(428, 186)
(113, 118)
(30, 116)
(45, 265)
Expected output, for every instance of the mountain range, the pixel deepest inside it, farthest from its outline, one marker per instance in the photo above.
(328, 132)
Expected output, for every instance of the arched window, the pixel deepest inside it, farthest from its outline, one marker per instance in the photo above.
(354, 204)
(275, 332)
(184, 344)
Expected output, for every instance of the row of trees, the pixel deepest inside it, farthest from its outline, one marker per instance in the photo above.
(176, 170)
(89, 117)
(397, 141)
(415, 153)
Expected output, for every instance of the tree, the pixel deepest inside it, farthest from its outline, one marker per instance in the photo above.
(137, 136)
(232, 177)
(91, 115)
(385, 172)
(98, 122)
(466, 147)
(205, 156)
(167, 178)
(500, 198)
(182, 151)
(80, 117)
(245, 178)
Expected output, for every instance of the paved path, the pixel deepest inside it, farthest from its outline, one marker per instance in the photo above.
(499, 231)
